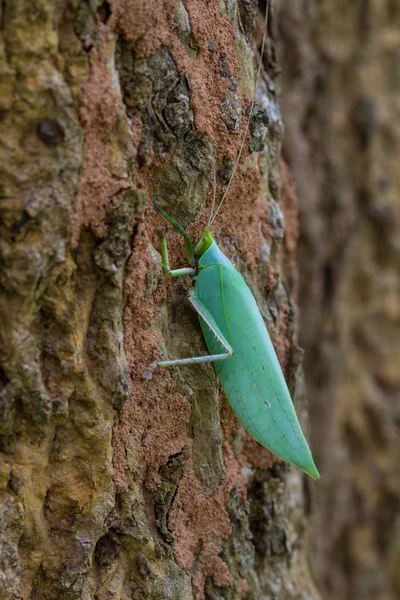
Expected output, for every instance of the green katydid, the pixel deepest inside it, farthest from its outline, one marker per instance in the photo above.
(238, 341)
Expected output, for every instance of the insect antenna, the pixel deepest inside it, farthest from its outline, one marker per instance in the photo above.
(212, 217)
(214, 190)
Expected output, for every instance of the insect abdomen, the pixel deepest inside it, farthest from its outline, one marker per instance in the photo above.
(252, 378)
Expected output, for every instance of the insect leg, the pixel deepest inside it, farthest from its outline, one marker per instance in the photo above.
(165, 259)
(210, 321)
(180, 230)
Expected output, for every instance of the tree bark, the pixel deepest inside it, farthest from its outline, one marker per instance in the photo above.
(342, 142)
(118, 481)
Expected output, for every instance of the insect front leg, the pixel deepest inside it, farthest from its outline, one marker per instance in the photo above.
(165, 259)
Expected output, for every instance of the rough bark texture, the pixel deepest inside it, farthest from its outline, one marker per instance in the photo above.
(342, 142)
(115, 485)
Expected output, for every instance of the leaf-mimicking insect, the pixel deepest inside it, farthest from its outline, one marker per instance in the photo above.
(238, 341)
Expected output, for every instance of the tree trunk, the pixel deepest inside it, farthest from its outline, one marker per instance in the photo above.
(341, 111)
(119, 481)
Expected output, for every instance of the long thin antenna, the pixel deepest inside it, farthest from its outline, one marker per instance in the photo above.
(214, 191)
(212, 218)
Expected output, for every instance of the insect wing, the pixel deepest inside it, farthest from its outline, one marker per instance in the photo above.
(252, 378)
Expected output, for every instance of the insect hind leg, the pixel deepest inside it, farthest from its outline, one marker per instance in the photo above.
(210, 321)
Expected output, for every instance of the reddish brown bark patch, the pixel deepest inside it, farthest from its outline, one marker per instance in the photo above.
(203, 522)
(148, 25)
(242, 217)
(152, 25)
(97, 111)
(256, 455)
(196, 520)
(156, 418)
(242, 214)
(208, 88)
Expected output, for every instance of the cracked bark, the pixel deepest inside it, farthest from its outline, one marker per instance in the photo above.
(113, 485)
